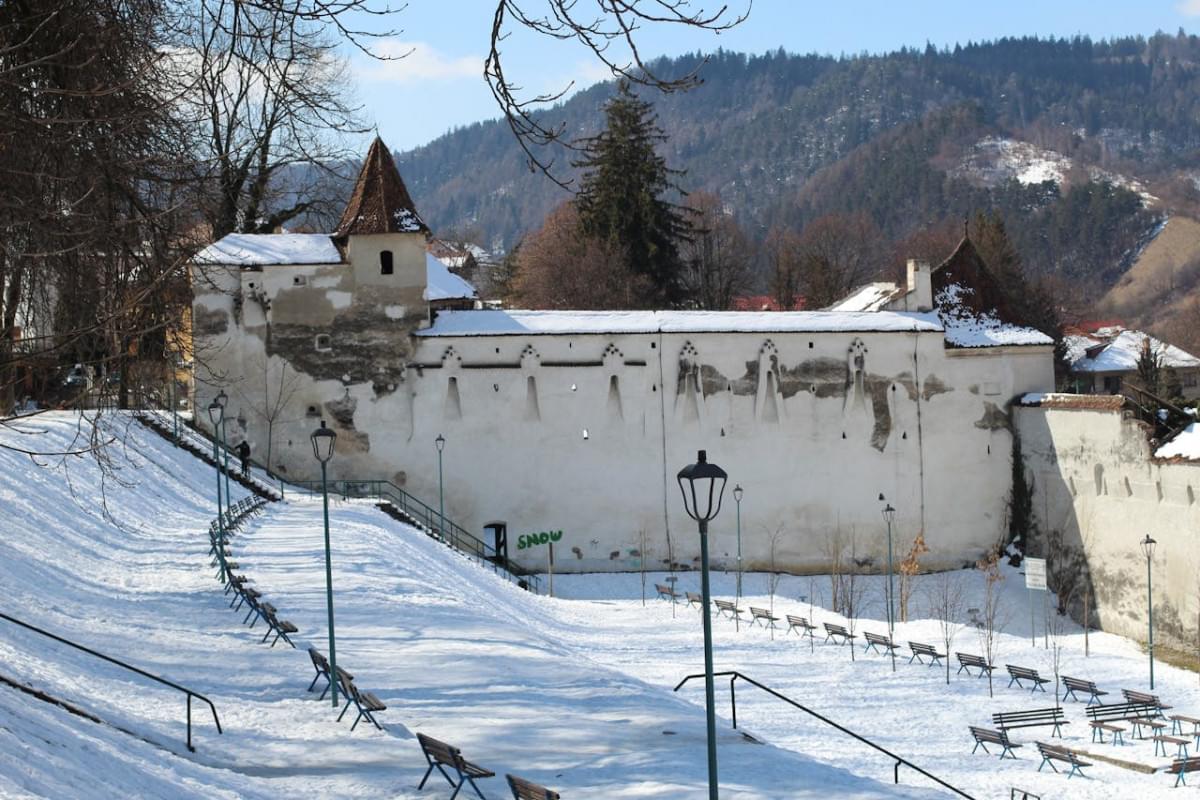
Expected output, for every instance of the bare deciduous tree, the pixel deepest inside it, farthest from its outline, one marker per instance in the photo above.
(837, 253)
(946, 604)
(609, 32)
(782, 252)
(716, 259)
(908, 569)
(852, 589)
(993, 615)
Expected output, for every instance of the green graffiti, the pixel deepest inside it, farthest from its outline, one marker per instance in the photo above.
(527, 540)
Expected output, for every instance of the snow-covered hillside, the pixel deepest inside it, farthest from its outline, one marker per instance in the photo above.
(994, 160)
(574, 692)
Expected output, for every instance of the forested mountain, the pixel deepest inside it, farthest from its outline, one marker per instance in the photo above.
(1081, 145)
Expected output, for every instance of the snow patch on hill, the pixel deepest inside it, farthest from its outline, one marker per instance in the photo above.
(995, 160)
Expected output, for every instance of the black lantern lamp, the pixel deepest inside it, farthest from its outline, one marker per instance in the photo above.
(322, 443)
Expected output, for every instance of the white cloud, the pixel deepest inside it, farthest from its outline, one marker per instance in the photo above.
(417, 62)
(1189, 8)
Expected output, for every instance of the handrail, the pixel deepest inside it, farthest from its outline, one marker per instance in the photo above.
(453, 534)
(899, 760)
(190, 694)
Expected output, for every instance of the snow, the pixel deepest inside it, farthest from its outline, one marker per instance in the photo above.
(492, 322)
(995, 160)
(573, 692)
(965, 328)
(261, 249)
(1186, 444)
(407, 221)
(442, 284)
(872, 297)
(1124, 348)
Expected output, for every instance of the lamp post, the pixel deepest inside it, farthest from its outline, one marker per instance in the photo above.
(216, 412)
(700, 506)
(440, 442)
(223, 399)
(889, 516)
(1148, 550)
(322, 444)
(737, 498)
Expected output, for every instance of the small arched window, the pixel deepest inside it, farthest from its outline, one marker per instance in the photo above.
(385, 262)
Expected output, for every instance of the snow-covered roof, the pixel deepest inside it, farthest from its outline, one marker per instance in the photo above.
(491, 322)
(966, 327)
(872, 297)
(1119, 351)
(1186, 444)
(442, 284)
(261, 249)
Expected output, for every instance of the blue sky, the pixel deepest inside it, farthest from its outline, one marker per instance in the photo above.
(440, 85)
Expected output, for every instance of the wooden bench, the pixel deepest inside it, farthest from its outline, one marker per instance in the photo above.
(986, 736)
(927, 650)
(1177, 722)
(1132, 696)
(280, 627)
(764, 616)
(366, 703)
(1018, 674)
(1037, 717)
(1101, 718)
(1183, 765)
(726, 607)
(1161, 741)
(1146, 722)
(442, 756)
(1051, 753)
(1074, 685)
(321, 665)
(695, 599)
(247, 593)
(836, 632)
(806, 629)
(528, 790)
(666, 592)
(875, 641)
(967, 661)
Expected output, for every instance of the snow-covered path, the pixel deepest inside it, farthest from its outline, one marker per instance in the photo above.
(574, 692)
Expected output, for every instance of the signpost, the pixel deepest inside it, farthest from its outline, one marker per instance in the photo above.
(527, 540)
(1035, 578)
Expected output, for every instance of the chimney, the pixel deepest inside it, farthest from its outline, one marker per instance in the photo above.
(920, 286)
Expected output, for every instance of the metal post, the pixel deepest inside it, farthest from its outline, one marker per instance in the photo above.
(225, 451)
(220, 514)
(739, 546)
(1150, 609)
(551, 573)
(891, 590)
(441, 498)
(1032, 626)
(333, 673)
(709, 707)
(171, 400)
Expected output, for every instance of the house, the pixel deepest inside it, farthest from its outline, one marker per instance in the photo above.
(1105, 360)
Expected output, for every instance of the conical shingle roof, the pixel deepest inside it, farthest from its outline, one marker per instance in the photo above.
(380, 202)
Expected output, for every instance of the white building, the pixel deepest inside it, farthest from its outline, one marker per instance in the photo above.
(1103, 361)
(578, 421)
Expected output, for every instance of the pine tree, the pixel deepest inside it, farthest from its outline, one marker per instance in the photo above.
(621, 200)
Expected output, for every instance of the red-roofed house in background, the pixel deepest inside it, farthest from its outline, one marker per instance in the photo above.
(764, 302)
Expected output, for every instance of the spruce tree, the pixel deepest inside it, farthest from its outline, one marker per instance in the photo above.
(622, 197)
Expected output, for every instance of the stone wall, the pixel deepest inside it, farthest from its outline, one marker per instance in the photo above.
(1098, 491)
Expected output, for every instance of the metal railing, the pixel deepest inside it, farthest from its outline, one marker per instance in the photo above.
(735, 676)
(426, 516)
(190, 694)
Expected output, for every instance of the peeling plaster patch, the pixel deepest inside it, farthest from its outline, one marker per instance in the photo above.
(973, 388)
(354, 441)
(342, 411)
(906, 380)
(400, 478)
(935, 386)
(340, 300)
(209, 323)
(993, 419)
(878, 389)
(395, 312)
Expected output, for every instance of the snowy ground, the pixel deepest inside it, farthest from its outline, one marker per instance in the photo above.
(574, 692)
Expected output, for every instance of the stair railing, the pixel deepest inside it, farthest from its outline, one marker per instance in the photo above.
(734, 676)
(190, 694)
